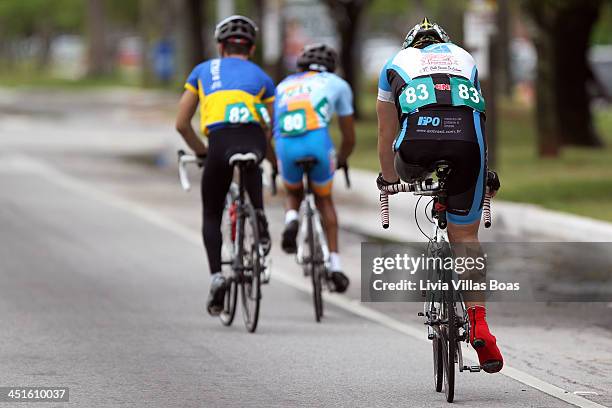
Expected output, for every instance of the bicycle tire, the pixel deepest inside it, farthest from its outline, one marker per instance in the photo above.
(229, 303)
(438, 363)
(317, 296)
(450, 334)
(250, 285)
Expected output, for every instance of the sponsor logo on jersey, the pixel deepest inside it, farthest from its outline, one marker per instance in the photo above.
(215, 73)
(442, 87)
(428, 120)
(436, 49)
(431, 63)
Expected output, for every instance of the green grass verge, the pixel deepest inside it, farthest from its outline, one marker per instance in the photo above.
(578, 182)
(30, 79)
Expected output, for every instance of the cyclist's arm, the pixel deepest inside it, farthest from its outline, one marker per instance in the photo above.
(347, 128)
(346, 122)
(270, 155)
(187, 108)
(387, 130)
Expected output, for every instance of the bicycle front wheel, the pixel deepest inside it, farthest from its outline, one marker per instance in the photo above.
(438, 363)
(449, 331)
(251, 270)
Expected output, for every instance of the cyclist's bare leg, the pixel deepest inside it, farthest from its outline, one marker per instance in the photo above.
(295, 195)
(481, 338)
(467, 235)
(294, 198)
(325, 204)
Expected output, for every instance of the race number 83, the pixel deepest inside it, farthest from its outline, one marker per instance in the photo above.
(464, 92)
(417, 93)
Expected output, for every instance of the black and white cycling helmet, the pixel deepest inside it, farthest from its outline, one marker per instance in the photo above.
(317, 57)
(236, 27)
(425, 33)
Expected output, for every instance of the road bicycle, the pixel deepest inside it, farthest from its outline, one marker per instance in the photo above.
(444, 310)
(242, 248)
(313, 251)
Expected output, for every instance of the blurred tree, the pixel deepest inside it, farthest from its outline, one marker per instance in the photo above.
(38, 19)
(563, 29)
(602, 34)
(97, 57)
(449, 14)
(346, 14)
(127, 12)
(193, 18)
(503, 41)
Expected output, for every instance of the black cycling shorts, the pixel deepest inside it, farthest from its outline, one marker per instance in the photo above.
(452, 134)
(217, 177)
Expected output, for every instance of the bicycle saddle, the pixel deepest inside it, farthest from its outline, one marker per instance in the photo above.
(306, 162)
(442, 168)
(243, 158)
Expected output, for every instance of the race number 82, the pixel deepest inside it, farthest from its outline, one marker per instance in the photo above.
(238, 113)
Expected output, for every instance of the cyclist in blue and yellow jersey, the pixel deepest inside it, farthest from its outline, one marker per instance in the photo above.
(430, 108)
(305, 103)
(236, 103)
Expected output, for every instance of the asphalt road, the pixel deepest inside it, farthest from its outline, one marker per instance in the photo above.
(104, 279)
(97, 298)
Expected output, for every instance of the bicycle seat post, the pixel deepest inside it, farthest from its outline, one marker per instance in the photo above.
(442, 169)
(307, 164)
(242, 161)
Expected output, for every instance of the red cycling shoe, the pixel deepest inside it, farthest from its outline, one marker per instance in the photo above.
(483, 341)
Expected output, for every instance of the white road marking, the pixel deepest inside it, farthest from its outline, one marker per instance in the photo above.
(21, 164)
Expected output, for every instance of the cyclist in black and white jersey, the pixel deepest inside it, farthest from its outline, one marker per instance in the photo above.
(430, 108)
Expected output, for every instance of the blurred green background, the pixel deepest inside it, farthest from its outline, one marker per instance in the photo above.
(547, 68)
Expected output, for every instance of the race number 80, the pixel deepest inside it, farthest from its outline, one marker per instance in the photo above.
(293, 122)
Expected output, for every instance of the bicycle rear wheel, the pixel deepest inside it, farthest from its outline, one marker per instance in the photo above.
(228, 232)
(315, 270)
(251, 275)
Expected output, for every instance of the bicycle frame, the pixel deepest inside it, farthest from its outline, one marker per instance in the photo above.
(431, 308)
(245, 271)
(308, 209)
(444, 310)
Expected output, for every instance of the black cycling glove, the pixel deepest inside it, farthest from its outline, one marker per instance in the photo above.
(381, 182)
(493, 180)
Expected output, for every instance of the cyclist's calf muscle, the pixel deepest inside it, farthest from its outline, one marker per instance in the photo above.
(467, 234)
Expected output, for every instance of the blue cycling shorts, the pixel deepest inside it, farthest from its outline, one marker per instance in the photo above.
(315, 143)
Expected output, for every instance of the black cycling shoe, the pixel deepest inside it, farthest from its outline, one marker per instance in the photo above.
(340, 280)
(264, 233)
(216, 296)
(289, 234)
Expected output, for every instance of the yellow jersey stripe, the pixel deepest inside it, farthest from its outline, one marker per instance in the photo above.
(191, 88)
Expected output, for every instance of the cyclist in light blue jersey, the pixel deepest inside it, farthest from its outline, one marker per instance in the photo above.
(304, 105)
(430, 107)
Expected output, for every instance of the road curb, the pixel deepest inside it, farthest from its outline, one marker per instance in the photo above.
(530, 221)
